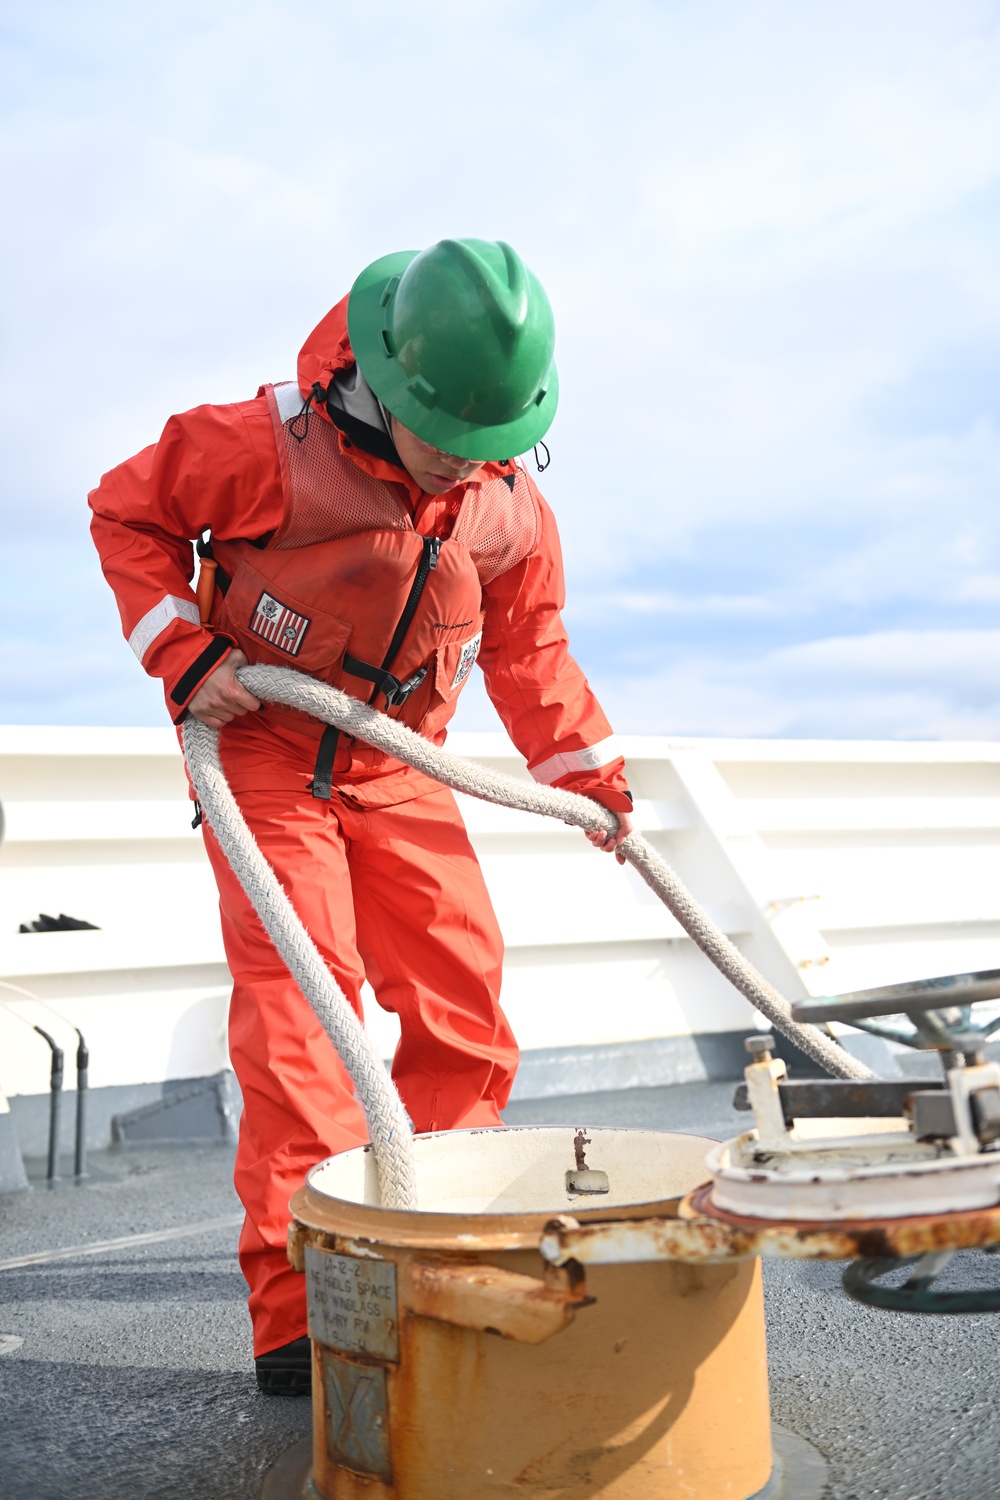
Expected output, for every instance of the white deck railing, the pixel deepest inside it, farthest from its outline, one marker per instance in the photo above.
(834, 865)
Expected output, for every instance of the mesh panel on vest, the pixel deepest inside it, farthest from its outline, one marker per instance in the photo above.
(330, 496)
(497, 525)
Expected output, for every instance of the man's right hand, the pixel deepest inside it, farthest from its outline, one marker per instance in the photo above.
(220, 698)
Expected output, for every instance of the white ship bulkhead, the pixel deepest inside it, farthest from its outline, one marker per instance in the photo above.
(833, 865)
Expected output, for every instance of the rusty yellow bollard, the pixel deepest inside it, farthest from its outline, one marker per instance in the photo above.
(453, 1362)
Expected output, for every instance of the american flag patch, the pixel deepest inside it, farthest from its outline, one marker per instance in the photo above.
(279, 625)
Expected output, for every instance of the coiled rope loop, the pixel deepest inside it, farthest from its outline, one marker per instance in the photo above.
(382, 1106)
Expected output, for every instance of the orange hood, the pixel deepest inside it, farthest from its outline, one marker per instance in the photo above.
(325, 351)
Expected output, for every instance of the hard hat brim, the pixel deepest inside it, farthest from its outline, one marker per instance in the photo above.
(366, 321)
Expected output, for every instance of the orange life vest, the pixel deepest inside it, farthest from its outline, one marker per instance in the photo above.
(346, 590)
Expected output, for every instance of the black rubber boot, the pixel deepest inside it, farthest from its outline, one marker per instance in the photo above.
(286, 1371)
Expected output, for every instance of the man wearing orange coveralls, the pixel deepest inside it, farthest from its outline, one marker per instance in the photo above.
(369, 525)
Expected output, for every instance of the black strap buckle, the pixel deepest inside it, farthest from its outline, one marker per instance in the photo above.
(402, 690)
(396, 692)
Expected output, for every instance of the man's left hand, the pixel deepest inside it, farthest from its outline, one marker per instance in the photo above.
(609, 841)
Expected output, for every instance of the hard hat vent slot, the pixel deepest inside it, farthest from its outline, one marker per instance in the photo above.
(423, 390)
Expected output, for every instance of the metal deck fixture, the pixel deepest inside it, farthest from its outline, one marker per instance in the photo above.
(55, 1106)
(56, 1077)
(82, 1080)
(909, 1169)
(454, 1357)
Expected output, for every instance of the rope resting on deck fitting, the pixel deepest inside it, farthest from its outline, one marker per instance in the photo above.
(376, 1093)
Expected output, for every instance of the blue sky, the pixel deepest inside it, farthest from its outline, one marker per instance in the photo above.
(771, 234)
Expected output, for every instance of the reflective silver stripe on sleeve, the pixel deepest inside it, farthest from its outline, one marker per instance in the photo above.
(288, 399)
(568, 761)
(159, 617)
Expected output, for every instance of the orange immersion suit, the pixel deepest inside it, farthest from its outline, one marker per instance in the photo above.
(330, 559)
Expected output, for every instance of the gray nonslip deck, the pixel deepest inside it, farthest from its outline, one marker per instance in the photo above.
(126, 1370)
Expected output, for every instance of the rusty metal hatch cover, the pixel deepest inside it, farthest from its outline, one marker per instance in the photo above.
(357, 1415)
(352, 1303)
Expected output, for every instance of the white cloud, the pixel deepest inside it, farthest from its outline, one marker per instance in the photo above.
(618, 604)
(769, 232)
(896, 684)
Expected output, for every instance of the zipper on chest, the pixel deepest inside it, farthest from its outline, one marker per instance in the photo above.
(428, 565)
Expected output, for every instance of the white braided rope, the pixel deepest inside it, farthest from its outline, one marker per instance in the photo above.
(388, 1126)
(283, 685)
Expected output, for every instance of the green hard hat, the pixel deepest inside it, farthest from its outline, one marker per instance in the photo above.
(456, 342)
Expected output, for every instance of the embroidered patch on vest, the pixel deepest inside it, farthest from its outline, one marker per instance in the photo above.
(279, 625)
(465, 662)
